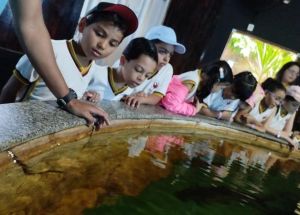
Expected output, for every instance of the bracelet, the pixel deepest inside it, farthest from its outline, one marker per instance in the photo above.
(278, 134)
(220, 114)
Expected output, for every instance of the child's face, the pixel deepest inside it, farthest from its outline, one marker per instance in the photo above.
(99, 39)
(165, 52)
(135, 72)
(228, 93)
(290, 74)
(291, 106)
(204, 78)
(273, 99)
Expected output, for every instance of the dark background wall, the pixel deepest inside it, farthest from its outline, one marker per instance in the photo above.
(202, 25)
(234, 14)
(194, 22)
(205, 25)
(61, 18)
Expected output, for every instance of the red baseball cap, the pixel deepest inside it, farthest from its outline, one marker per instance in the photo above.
(123, 11)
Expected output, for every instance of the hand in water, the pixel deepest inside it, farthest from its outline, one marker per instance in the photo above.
(92, 114)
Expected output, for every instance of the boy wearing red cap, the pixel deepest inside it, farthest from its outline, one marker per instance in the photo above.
(102, 30)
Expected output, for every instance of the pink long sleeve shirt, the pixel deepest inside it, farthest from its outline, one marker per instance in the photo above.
(175, 98)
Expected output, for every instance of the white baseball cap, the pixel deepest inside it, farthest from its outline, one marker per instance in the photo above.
(166, 35)
(294, 91)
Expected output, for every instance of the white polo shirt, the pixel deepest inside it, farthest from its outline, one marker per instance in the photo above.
(216, 102)
(260, 116)
(193, 78)
(103, 82)
(158, 83)
(75, 76)
(278, 122)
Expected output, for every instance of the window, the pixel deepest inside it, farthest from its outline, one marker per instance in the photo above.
(244, 51)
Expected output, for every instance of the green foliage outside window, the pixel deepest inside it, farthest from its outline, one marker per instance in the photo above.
(250, 53)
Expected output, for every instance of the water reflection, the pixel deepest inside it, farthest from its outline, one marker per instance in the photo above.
(217, 176)
(150, 173)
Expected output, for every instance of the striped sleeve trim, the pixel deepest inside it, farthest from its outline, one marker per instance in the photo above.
(189, 82)
(18, 75)
(29, 91)
(158, 94)
(205, 105)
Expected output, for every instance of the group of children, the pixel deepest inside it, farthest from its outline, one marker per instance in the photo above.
(213, 91)
(143, 75)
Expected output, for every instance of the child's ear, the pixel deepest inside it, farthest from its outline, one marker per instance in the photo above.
(123, 60)
(82, 24)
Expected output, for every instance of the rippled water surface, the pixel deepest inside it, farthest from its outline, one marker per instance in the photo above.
(152, 173)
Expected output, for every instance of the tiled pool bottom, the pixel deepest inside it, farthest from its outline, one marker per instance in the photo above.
(140, 171)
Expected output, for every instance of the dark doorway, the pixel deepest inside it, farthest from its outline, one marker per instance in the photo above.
(61, 18)
(194, 22)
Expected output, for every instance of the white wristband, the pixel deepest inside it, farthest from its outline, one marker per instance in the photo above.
(278, 134)
(220, 114)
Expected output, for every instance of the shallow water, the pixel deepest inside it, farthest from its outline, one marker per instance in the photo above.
(152, 173)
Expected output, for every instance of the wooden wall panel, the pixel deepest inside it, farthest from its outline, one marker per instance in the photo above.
(194, 22)
(61, 18)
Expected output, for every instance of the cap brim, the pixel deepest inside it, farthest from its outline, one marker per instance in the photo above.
(179, 48)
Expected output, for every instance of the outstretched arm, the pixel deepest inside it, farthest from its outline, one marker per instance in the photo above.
(35, 40)
(174, 100)
(282, 134)
(137, 100)
(244, 110)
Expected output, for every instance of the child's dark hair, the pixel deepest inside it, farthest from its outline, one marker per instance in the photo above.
(107, 16)
(297, 82)
(155, 41)
(217, 71)
(139, 46)
(289, 98)
(244, 84)
(280, 73)
(272, 85)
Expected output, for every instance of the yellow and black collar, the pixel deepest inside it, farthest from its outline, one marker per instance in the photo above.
(283, 112)
(112, 82)
(83, 69)
(262, 108)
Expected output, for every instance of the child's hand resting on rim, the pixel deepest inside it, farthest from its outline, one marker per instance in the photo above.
(198, 105)
(133, 101)
(91, 96)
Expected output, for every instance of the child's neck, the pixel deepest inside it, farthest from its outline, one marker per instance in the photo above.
(263, 106)
(225, 92)
(285, 84)
(118, 77)
(84, 61)
(283, 111)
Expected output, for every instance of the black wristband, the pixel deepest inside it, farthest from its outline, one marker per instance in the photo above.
(62, 102)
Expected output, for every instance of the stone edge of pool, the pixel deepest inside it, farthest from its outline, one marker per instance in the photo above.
(36, 123)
